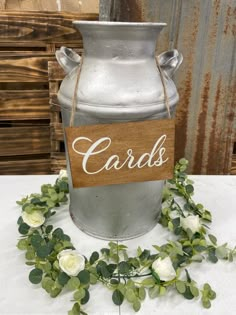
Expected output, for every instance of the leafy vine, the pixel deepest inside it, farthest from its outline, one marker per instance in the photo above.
(58, 266)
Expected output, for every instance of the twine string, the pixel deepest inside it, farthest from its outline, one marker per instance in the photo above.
(74, 100)
(166, 99)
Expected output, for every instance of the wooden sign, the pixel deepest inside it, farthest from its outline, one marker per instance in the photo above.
(121, 153)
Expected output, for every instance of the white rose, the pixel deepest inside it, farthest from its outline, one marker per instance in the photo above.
(71, 262)
(191, 222)
(164, 269)
(34, 219)
(62, 174)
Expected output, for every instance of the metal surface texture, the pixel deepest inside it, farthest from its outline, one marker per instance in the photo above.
(204, 31)
(117, 58)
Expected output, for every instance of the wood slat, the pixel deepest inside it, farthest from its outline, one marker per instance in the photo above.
(57, 132)
(53, 27)
(24, 140)
(58, 161)
(233, 165)
(25, 167)
(24, 104)
(24, 69)
(55, 72)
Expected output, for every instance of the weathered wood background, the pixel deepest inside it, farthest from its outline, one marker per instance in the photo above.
(204, 31)
(30, 123)
(81, 6)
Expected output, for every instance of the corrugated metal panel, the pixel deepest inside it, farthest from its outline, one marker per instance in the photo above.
(204, 31)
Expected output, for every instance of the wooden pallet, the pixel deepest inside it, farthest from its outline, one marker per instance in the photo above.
(30, 131)
(55, 76)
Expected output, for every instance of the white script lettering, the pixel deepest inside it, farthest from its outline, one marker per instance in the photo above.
(153, 159)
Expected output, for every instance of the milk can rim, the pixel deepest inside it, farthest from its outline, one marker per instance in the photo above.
(110, 23)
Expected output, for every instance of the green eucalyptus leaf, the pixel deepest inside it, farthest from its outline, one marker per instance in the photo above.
(194, 291)
(197, 258)
(85, 299)
(30, 263)
(183, 161)
(73, 283)
(221, 252)
(103, 269)
(162, 291)
(35, 276)
(212, 255)
(130, 295)
(22, 244)
(63, 186)
(180, 286)
(20, 220)
(58, 233)
(55, 292)
(188, 294)
(48, 284)
(23, 228)
(170, 226)
(176, 222)
(153, 292)
(105, 251)
(213, 239)
(123, 267)
(189, 189)
(211, 295)
(47, 267)
(199, 248)
(206, 287)
(84, 276)
(145, 254)
(35, 240)
(156, 277)
(30, 254)
(114, 281)
(206, 302)
(105, 273)
(63, 278)
(75, 310)
(111, 268)
(93, 279)
(142, 293)
(121, 287)
(43, 251)
(136, 305)
(65, 238)
(49, 229)
(117, 297)
(94, 257)
(188, 276)
(134, 262)
(148, 282)
(79, 294)
(50, 203)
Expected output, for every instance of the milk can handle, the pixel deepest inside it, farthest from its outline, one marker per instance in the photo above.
(67, 58)
(170, 61)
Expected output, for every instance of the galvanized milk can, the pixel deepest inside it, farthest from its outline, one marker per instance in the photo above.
(119, 82)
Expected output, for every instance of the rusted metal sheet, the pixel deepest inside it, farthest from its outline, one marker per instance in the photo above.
(117, 10)
(204, 31)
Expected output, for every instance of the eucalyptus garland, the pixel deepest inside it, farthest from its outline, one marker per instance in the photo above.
(58, 266)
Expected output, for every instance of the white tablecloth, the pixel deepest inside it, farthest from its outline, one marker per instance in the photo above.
(19, 296)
